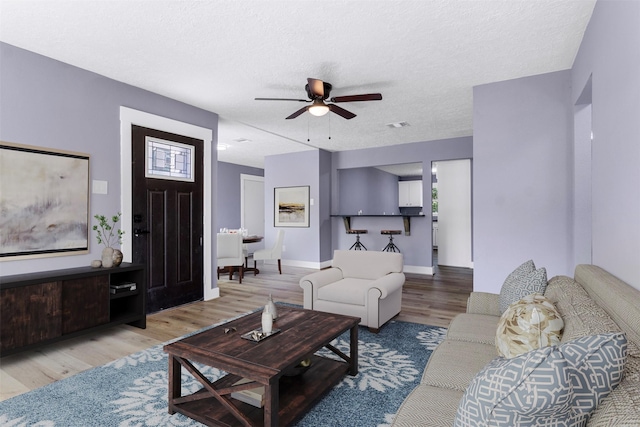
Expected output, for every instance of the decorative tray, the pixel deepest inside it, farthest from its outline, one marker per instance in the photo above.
(257, 335)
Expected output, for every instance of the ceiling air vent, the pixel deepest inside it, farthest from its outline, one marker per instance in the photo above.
(397, 125)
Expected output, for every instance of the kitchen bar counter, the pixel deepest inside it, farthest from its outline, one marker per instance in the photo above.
(406, 219)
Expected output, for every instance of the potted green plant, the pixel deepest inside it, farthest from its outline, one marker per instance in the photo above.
(107, 234)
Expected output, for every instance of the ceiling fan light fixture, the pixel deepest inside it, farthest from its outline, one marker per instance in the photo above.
(318, 109)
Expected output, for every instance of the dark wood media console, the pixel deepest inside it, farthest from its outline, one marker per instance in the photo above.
(44, 307)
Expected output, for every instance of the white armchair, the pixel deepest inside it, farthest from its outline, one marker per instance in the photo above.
(274, 253)
(366, 284)
(230, 254)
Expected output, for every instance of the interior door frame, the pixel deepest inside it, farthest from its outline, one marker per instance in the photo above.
(128, 117)
(243, 179)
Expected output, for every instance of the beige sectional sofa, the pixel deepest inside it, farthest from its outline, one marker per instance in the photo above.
(593, 302)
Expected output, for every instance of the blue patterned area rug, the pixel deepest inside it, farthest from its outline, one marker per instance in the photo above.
(132, 391)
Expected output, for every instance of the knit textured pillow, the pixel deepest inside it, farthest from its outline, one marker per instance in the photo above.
(622, 407)
(554, 386)
(528, 324)
(524, 280)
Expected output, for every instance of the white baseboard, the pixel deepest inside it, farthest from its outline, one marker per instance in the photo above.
(212, 294)
(325, 264)
(414, 269)
(418, 269)
(301, 264)
(304, 264)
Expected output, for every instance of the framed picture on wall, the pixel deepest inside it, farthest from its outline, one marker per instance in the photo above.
(44, 199)
(291, 206)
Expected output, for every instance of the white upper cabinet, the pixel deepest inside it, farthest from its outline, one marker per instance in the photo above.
(409, 193)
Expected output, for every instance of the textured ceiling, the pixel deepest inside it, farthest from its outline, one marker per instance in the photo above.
(423, 56)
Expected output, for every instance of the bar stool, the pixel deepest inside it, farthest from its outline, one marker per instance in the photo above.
(391, 247)
(357, 246)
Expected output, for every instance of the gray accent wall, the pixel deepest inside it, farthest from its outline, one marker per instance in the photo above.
(47, 103)
(324, 210)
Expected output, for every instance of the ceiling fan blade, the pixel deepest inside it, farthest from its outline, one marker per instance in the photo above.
(281, 99)
(297, 113)
(341, 112)
(316, 87)
(355, 98)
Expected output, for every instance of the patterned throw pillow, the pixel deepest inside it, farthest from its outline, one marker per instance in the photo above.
(528, 324)
(524, 280)
(552, 386)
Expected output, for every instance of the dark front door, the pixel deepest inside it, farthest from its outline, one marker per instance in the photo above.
(167, 215)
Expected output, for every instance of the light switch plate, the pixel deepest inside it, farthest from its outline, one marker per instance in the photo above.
(100, 187)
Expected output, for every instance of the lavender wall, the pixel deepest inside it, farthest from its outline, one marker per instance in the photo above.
(416, 248)
(522, 177)
(609, 58)
(229, 192)
(541, 191)
(303, 245)
(47, 103)
(369, 190)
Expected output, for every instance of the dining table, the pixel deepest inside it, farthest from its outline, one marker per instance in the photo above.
(252, 239)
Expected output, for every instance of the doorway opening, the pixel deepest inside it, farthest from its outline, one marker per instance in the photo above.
(451, 212)
(252, 208)
(582, 177)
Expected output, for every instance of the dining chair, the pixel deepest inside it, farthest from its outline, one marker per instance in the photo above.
(274, 253)
(230, 254)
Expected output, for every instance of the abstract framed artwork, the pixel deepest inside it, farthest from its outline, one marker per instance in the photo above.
(291, 206)
(44, 200)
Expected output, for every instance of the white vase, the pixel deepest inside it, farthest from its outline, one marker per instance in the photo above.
(267, 322)
(107, 257)
(271, 308)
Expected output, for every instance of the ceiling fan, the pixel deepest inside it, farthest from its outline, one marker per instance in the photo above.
(318, 91)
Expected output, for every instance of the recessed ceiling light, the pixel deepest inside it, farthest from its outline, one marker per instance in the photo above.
(222, 147)
(397, 124)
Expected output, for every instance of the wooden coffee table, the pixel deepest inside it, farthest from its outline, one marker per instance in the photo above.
(266, 363)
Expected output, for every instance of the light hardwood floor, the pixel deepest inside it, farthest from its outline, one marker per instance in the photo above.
(431, 300)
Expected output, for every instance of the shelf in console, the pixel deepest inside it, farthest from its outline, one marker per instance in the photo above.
(124, 294)
(296, 396)
(406, 219)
